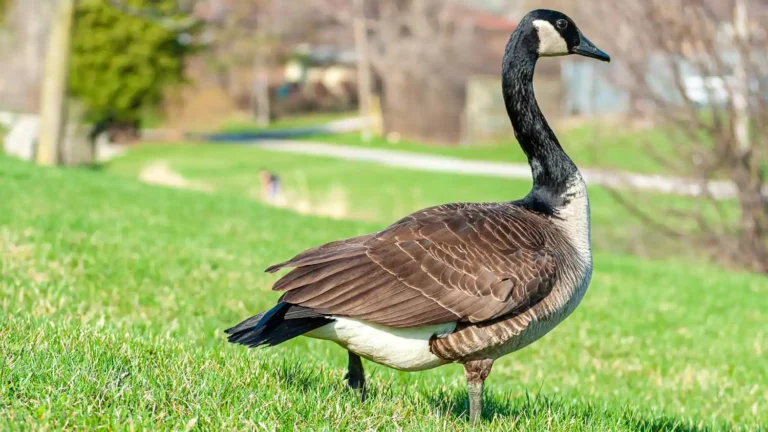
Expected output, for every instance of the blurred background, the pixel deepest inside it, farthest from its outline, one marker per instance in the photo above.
(158, 154)
(679, 112)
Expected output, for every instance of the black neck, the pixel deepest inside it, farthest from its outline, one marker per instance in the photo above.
(551, 167)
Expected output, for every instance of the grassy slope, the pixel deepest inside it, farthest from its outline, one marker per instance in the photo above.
(383, 194)
(591, 146)
(114, 296)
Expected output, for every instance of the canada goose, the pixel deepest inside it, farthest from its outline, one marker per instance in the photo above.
(465, 282)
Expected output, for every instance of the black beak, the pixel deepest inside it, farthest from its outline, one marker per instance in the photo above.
(587, 49)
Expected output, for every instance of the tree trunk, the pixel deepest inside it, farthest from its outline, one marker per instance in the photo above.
(364, 90)
(426, 107)
(53, 105)
(754, 227)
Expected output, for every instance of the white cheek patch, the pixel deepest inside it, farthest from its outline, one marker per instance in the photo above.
(551, 43)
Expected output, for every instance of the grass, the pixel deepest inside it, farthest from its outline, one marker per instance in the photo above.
(114, 296)
(366, 191)
(590, 145)
(288, 122)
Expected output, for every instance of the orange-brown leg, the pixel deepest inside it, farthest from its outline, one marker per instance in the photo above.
(476, 372)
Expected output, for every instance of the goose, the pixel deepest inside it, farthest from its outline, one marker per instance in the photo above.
(459, 283)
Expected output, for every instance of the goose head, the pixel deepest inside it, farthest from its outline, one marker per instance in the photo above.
(557, 35)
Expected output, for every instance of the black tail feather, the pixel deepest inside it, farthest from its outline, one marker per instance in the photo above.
(279, 324)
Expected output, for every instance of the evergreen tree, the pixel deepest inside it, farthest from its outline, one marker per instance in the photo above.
(122, 64)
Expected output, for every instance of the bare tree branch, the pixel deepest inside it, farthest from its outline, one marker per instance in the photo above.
(691, 42)
(180, 23)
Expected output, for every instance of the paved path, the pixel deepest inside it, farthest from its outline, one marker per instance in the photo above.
(423, 162)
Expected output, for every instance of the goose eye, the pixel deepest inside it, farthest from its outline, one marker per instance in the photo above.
(562, 24)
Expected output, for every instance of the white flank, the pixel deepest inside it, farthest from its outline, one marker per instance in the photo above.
(405, 349)
(551, 43)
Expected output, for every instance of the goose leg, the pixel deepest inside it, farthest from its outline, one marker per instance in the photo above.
(355, 375)
(476, 372)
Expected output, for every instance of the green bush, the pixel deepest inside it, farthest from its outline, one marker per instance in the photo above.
(123, 64)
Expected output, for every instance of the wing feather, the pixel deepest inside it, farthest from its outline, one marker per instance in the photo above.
(460, 262)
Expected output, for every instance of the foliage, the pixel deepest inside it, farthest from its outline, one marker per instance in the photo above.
(122, 64)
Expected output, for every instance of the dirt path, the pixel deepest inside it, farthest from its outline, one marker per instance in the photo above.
(161, 173)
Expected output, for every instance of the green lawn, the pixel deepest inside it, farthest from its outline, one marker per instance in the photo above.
(366, 191)
(589, 146)
(288, 122)
(114, 296)
(3, 132)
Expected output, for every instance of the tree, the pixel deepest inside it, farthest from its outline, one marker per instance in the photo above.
(121, 63)
(420, 52)
(244, 40)
(698, 68)
(250, 39)
(3, 7)
(23, 36)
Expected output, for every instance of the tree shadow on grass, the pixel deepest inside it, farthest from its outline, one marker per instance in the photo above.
(93, 166)
(545, 411)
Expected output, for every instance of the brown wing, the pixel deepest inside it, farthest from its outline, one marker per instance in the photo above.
(458, 262)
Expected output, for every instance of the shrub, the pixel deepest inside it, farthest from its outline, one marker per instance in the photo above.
(123, 64)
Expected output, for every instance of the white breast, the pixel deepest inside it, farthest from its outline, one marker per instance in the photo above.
(399, 348)
(575, 221)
